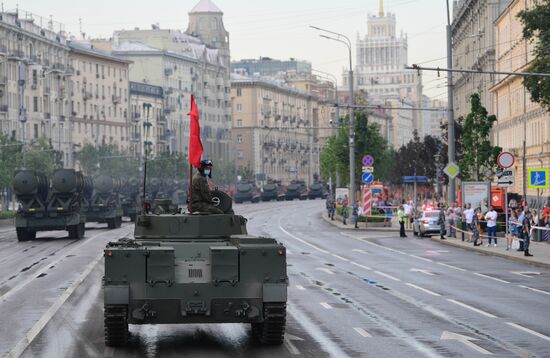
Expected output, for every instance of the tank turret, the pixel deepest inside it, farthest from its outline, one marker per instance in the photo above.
(30, 182)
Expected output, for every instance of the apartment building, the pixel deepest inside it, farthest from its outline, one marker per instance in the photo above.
(147, 120)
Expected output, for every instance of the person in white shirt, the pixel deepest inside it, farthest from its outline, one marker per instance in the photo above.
(469, 216)
(491, 218)
(408, 214)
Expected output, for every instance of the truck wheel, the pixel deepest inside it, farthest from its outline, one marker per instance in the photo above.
(133, 218)
(73, 231)
(272, 330)
(24, 234)
(116, 325)
(81, 230)
(118, 221)
(111, 223)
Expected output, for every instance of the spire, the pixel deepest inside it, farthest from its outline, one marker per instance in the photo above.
(381, 13)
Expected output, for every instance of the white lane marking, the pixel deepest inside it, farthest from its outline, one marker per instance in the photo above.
(300, 287)
(420, 258)
(290, 346)
(534, 333)
(362, 266)
(437, 252)
(423, 289)
(359, 250)
(490, 277)
(388, 276)
(362, 332)
(451, 266)
(326, 305)
(288, 252)
(47, 266)
(464, 339)
(486, 314)
(301, 240)
(528, 274)
(340, 257)
(48, 315)
(535, 289)
(325, 270)
(425, 272)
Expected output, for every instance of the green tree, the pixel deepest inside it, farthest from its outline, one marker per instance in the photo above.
(108, 159)
(10, 157)
(536, 29)
(479, 160)
(41, 156)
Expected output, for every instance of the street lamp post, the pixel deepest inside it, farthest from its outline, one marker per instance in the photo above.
(450, 114)
(346, 41)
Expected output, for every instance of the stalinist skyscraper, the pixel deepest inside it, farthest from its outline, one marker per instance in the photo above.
(380, 71)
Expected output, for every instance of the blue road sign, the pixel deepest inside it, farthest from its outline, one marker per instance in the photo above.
(367, 178)
(538, 178)
(367, 160)
(417, 179)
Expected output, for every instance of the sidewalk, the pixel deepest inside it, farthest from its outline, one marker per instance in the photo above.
(540, 250)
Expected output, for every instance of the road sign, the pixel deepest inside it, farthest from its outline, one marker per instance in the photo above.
(367, 178)
(451, 170)
(505, 160)
(367, 169)
(506, 177)
(367, 160)
(538, 178)
(415, 179)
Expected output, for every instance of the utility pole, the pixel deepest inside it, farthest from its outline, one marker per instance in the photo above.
(22, 69)
(450, 112)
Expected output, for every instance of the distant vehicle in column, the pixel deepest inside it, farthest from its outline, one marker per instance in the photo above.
(272, 191)
(246, 191)
(297, 189)
(103, 204)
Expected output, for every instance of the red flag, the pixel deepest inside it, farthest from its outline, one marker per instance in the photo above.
(195, 144)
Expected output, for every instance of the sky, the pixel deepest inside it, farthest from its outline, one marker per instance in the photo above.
(276, 29)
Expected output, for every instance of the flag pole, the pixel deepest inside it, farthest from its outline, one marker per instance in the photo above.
(190, 199)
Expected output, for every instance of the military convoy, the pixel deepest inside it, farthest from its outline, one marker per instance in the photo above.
(130, 197)
(297, 189)
(194, 268)
(50, 205)
(315, 191)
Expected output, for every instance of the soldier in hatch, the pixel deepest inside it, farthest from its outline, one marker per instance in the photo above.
(201, 197)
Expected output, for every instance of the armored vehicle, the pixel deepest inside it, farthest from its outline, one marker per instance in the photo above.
(272, 191)
(316, 191)
(195, 268)
(296, 190)
(103, 205)
(129, 198)
(46, 208)
(246, 191)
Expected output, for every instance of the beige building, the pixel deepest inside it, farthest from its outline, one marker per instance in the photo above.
(275, 129)
(99, 98)
(148, 125)
(519, 119)
(473, 38)
(34, 80)
(195, 62)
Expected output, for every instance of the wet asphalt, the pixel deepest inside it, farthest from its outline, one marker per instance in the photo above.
(351, 294)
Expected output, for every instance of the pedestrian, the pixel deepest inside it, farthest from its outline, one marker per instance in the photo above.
(512, 230)
(407, 210)
(345, 209)
(401, 218)
(526, 223)
(452, 220)
(331, 207)
(355, 214)
(491, 218)
(546, 222)
(476, 238)
(468, 217)
(441, 221)
(458, 216)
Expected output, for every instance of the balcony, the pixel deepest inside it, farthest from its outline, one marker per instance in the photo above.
(163, 138)
(116, 99)
(169, 109)
(3, 107)
(86, 95)
(58, 67)
(3, 80)
(168, 72)
(16, 55)
(161, 119)
(3, 50)
(135, 137)
(135, 117)
(277, 117)
(46, 90)
(47, 115)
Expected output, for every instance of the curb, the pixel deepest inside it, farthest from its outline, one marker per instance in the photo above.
(494, 253)
(7, 222)
(340, 226)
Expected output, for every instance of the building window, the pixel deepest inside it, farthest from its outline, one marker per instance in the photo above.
(239, 91)
(239, 107)
(240, 154)
(239, 122)
(35, 104)
(239, 138)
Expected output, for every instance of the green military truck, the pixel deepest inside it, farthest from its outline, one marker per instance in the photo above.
(195, 268)
(103, 205)
(48, 206)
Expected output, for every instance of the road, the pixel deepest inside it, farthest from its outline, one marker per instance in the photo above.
(351, 294)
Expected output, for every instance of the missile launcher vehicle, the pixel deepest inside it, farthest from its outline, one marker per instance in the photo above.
(129, 199)
(46, 206)
(103, 205)
(194, 268)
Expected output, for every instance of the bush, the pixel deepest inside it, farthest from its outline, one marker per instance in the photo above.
(7, 214)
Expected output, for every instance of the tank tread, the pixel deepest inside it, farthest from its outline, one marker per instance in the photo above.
(272, 330)
(116, 325)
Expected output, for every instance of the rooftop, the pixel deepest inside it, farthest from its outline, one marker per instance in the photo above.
(205, 6)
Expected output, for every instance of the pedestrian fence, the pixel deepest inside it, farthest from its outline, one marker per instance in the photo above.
(470, 233)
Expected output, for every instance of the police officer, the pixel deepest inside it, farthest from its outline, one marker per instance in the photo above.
(401, 218)
(201, 197)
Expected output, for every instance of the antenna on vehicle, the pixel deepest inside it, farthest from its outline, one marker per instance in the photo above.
(146, 108)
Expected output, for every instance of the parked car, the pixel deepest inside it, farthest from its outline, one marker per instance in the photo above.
(426, 223)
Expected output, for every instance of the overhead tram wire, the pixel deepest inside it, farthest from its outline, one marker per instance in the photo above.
(481, 72)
